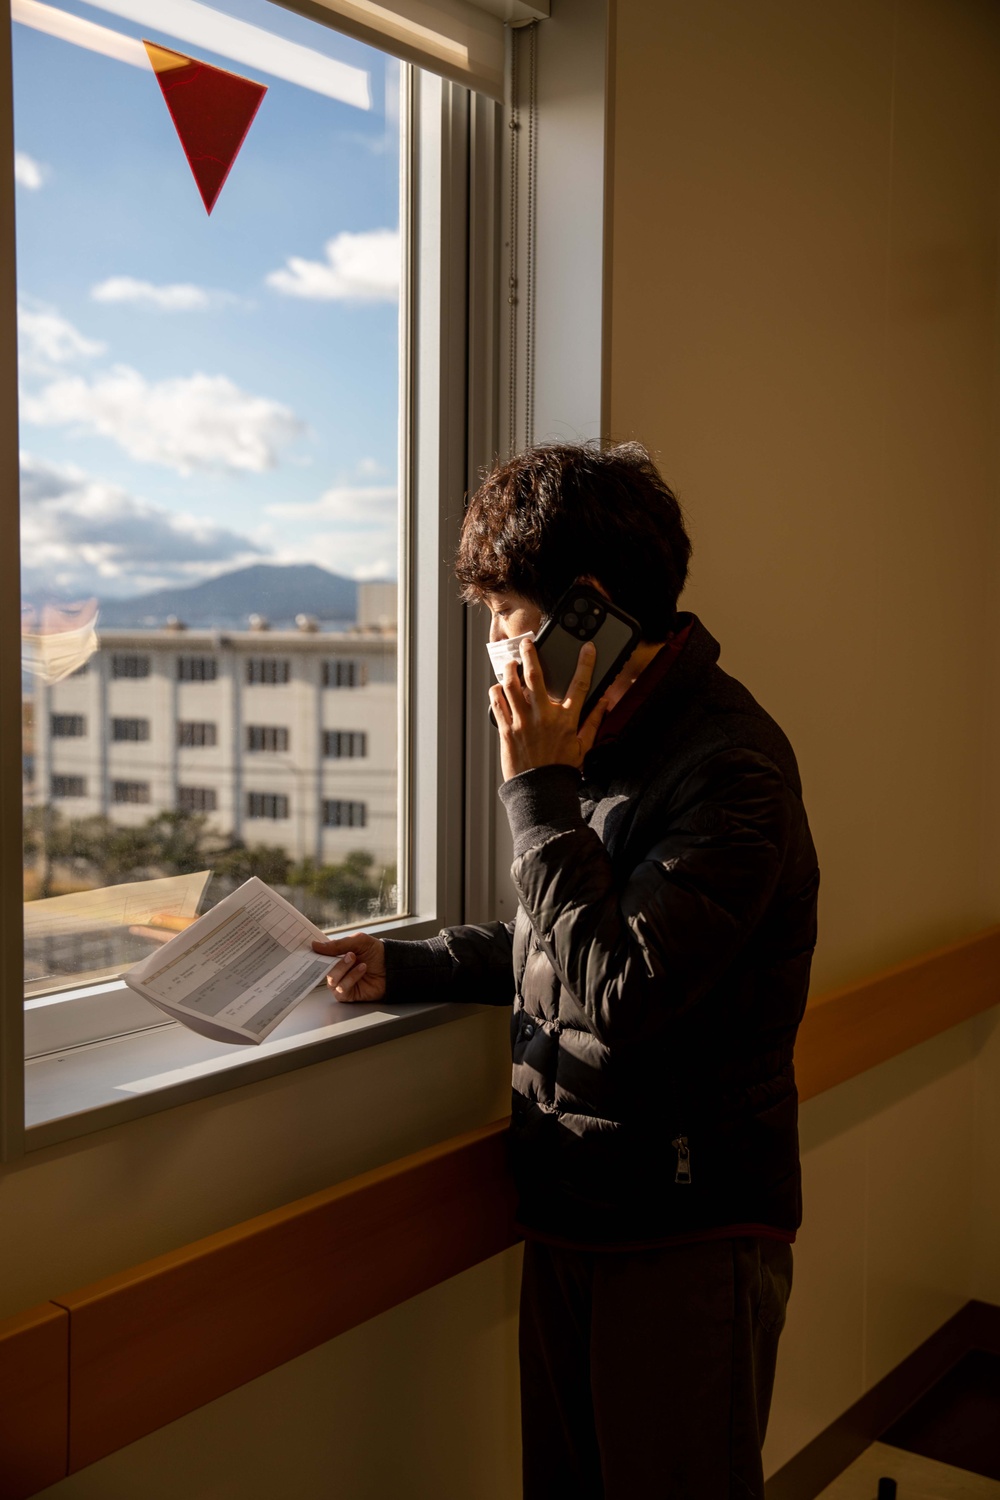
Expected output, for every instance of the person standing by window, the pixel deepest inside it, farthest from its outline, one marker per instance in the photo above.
(657, 971)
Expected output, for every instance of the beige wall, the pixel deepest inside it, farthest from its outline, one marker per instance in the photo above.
(802, 324)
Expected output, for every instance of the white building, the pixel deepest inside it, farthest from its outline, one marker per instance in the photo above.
(286, 738)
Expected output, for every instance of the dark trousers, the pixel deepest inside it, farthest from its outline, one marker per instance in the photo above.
(647, 1375)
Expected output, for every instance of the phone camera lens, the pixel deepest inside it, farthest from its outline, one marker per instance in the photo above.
(570, 619)
(580, 605)
(583, 632)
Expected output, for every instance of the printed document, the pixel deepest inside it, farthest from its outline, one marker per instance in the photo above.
(237, 971)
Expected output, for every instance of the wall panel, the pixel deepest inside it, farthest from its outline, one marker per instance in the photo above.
(801, 313)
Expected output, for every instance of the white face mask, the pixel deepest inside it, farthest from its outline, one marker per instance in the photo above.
(509, 649)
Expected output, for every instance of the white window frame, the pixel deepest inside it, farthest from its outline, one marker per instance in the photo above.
(446, 757)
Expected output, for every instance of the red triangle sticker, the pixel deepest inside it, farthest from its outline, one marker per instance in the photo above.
(212, 111)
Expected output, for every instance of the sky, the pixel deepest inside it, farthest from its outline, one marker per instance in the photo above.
(199, 393)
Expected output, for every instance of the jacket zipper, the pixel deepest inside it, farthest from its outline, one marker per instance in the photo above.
(683, 1173)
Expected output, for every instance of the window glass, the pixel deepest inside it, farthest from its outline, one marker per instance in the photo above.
(197, 736)
(340, 744)
(339, 814)
(196, 668)
(343, 674)
(130, 729)
(267, 737)
(196, 799)
(210, 424)
(130, 791)
(266, 805)
(68, 726)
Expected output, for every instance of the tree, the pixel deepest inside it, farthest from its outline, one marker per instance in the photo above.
(239, 861)
(353, 888)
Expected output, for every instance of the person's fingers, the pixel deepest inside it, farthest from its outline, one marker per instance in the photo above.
(501, 708)
(345, 989)
(587, 732)
(333, 947)
(343, 965)
(578, 688)
(534, 678)
(514, 691)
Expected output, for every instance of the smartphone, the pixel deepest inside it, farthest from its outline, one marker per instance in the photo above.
(584, 615)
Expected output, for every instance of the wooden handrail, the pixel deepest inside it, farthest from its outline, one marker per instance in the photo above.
(163, 1338)
(259, 1294)
(850, 1030)
(34, 1400)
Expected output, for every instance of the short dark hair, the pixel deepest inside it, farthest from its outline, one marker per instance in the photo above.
(565, 511)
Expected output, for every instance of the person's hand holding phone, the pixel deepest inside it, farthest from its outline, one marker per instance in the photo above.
(535, 730)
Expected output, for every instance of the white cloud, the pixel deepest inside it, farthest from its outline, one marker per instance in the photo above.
(195, 422)
(363, 543)
(81, 535)
(361, 509)
(361, 267)
(29, 173)
(370, 468)
(181, 296)
(47, 340)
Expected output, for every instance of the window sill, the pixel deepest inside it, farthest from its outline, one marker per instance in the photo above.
(88, 1088)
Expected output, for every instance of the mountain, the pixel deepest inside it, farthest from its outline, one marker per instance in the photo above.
(279, 592)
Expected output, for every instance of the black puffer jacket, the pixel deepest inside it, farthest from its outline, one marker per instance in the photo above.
(658, 969)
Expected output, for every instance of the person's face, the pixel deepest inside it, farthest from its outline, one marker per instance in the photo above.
(512, 614)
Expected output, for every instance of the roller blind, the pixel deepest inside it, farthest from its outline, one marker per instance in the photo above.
(460, 39)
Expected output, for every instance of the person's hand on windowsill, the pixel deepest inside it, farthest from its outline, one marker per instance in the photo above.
(359, 973)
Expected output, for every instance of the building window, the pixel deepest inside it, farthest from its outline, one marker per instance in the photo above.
(267, 669)
(196, 799)
(192, 735)
(130, 729)
(69, 786)
(267, 737)
(197, 669)
(337, 814)
(126, 664)
(344, 744)
(266, 805)
(130, 791)
(344, 674)
(68, 726)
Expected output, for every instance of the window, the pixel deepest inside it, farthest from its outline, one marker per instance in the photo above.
(129, 791)
(344, 744)
(344, 814)
(266, 737)
(343, 674)
(194, 735)
(266, 805)
(266, 354)
(69, 786)
(130, 729)
(196, 799)
(68, 726)
(124, 664)
(267, 669)
(196, 668)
